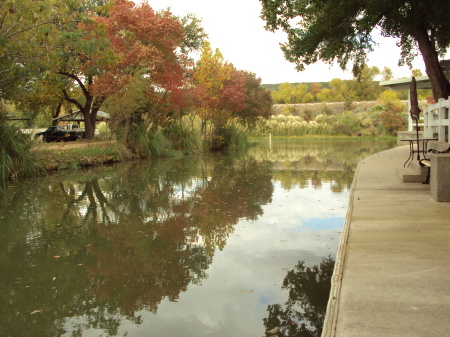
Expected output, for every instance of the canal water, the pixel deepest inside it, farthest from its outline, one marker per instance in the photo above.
(239, 244)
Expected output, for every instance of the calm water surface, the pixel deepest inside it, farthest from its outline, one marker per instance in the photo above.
(224, 245)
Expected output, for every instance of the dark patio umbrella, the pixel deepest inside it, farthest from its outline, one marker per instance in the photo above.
(415, 111)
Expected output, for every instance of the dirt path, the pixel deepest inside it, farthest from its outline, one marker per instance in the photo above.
(101, 144)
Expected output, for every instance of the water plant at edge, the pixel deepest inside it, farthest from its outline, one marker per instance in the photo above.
(15, 157)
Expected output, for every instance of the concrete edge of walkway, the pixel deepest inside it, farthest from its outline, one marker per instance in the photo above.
(329, 325)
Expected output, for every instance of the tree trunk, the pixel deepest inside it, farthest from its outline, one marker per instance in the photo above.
(125, 131)
(56, 114)
(98, 101)
(90, 107)
(439, 83)
(88, 129)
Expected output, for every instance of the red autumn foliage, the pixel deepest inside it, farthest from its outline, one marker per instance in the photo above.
(142, 43)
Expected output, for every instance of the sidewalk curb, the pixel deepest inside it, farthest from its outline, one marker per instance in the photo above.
(329, 325)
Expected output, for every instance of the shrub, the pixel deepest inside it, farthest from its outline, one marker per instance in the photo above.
(393, 121)
(228, 137)
(15, 156)
(147, 143)
(308, 115)
(183, 138)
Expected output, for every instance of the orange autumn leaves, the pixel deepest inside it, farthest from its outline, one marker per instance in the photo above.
(141, 42)
(134, 43)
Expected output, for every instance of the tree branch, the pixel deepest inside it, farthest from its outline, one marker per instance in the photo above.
(80, 83)
(28, 28)
(71, 100)
(34, 26)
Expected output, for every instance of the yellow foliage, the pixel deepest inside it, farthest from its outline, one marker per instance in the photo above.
(387, 96)
(212, 71)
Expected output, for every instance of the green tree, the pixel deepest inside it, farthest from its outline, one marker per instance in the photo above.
(210, 75)
(325, 95)
(387, 74)
(40, 100)
(308, 98)
(288, 93)
(342, 30)
(26, 31)
(343, 92)
(194, 34)
(365, 87)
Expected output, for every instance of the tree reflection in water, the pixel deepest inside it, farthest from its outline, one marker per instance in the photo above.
(92, 253)
(304, 312)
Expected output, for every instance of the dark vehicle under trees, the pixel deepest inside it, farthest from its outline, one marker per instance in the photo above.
(59, 133)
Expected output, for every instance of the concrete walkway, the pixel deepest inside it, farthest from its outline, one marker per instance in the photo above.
(392, 274)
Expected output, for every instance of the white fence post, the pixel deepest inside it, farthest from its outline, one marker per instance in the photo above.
(437, 121)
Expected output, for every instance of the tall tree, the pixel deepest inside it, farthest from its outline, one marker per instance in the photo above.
(342, 91)
(387, 74)
(209, 79)
(25, 30)
(288, 93)
(341, 30)
(40, 100)
(132, 40)
(365, 87)
(258, 101)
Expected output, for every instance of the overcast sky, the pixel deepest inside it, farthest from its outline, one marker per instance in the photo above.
(235, 27)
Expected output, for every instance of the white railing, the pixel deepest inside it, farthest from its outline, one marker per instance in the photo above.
(436, 120)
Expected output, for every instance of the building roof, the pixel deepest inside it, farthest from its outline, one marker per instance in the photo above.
(78, 116)
(422, 82)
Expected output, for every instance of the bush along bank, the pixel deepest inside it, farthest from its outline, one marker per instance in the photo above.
(16, 160)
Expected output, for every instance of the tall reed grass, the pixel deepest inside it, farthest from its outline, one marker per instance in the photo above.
(348, 123)
(147, 143)
(228, 137)
(183, 138)
(15, 156)
(172, 140)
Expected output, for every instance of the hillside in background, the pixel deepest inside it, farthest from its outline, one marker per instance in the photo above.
(273, 87)
(331, 108)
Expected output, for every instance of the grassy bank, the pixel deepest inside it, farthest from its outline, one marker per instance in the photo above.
(75, 155)
(256, 138)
